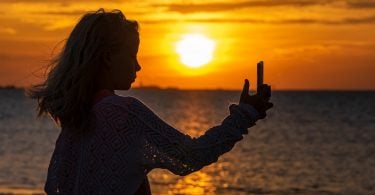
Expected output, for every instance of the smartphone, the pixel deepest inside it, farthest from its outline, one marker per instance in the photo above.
(260, 75)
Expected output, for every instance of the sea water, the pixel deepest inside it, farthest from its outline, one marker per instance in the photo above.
(312, 142)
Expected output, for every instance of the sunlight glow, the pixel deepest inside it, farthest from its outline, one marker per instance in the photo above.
(195, 50)
(197, 183)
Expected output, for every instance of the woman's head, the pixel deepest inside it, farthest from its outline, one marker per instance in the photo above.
(106, 44)
(99, 53)
(120, 64)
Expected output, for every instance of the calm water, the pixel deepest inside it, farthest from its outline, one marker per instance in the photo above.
(311, 143)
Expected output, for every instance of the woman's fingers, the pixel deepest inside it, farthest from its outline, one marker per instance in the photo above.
(245, 91)
(262, 115)
(265, 91)
(269, 105)
(268, 91)
(246, 86)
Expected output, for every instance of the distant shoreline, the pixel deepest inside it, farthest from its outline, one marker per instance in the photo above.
(20, 190)
(156, 88)
(10, 87)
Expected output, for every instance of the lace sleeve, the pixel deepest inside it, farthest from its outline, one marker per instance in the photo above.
(51, 184)
(166, 147)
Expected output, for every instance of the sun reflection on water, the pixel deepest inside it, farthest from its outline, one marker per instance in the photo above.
(197, 114)
(194, 184)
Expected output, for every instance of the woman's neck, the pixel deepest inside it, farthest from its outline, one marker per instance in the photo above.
(102, 93)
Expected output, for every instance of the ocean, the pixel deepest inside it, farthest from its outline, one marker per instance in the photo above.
(312, 142)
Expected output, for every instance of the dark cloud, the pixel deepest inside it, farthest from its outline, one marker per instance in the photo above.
(349, 21)
(69, 13)
(56, 1)
(80, 12)
(361, 4)
(227, 6)
(213, 7)
(365, 20)
(22, 1)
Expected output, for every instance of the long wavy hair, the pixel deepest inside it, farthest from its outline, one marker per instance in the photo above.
(67, 92)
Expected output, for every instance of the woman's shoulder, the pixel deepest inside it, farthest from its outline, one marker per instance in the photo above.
(124, 102)
(115, 106)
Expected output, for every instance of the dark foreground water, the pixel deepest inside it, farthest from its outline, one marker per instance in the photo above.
(311, 143)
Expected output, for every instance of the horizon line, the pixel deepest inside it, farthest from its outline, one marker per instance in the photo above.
(154, 87)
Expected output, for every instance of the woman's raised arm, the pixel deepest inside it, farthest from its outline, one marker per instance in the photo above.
(165, 147)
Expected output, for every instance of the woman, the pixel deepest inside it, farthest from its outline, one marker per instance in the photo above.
(108, 143)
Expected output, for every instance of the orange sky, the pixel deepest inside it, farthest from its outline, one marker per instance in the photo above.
(306, 44)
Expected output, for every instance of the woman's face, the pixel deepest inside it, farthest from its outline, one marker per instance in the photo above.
(124, 63)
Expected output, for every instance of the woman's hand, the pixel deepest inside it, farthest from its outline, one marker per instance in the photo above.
(260, 101)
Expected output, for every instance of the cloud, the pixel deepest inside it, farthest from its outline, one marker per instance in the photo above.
(221, 6)
(344, 21)
(60, 12)
(63, 17)
(213, 5)
(362, 20)
(226, 6)
(365, 20)
(361, 4)
(8, 31)
(56, 1)
(354, 50)
(81, 12)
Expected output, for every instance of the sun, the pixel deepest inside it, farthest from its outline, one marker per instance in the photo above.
(195, 50)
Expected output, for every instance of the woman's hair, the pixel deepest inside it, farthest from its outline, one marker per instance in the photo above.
(67, 93)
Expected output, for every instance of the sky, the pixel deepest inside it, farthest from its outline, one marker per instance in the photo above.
(305, 44)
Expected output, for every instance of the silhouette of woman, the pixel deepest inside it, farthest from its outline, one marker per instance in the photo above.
(109, 143)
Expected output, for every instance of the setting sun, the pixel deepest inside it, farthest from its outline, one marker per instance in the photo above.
(195, 50)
